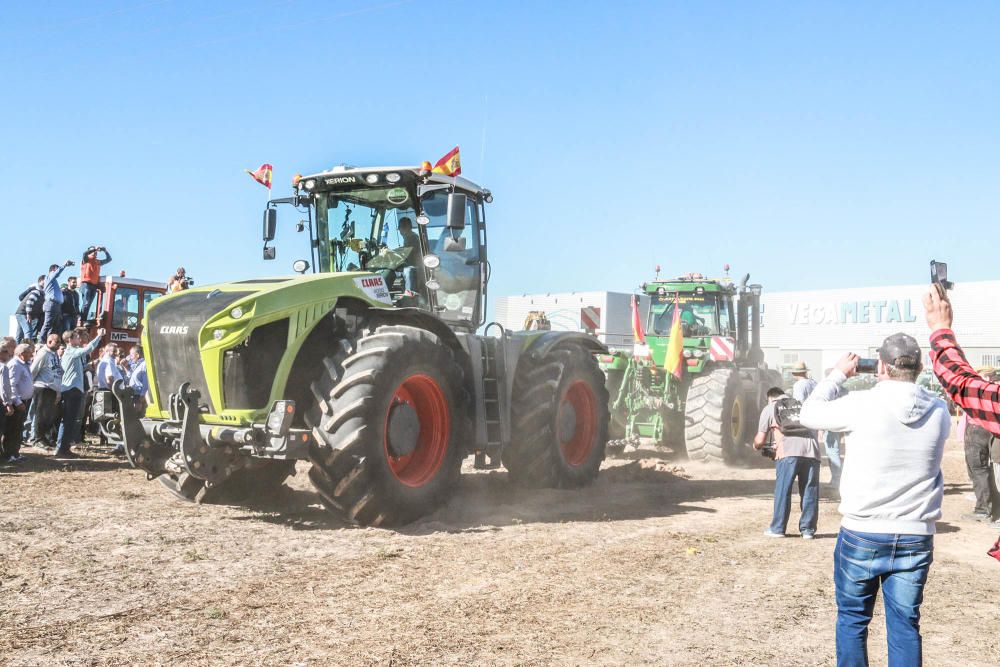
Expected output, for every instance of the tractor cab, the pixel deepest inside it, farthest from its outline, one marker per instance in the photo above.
(422, 233)
(120, 306)
(707, 319)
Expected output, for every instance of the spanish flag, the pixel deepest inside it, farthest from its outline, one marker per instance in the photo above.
(674, 361)
(450, 164)
(262, 175)
(637, 333)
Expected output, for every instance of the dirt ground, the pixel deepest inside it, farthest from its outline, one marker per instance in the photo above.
(659, 563)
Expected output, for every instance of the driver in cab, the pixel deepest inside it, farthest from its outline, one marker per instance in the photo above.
(410, 240)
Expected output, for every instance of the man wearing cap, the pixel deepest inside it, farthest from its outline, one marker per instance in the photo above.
(891, 491)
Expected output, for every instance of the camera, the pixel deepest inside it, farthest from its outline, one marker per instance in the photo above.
(869, 366)
(187, 282)
(939, 275)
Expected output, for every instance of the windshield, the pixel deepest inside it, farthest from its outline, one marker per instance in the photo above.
(375, 229)
(356, 222)
(699, 315)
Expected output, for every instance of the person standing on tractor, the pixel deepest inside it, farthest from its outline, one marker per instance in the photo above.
(53, 301)
(179, 281)
(796, 456)
(70, 305)
(29, 311)
(90, 277)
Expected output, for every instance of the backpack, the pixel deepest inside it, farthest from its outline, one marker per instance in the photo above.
(786, 418)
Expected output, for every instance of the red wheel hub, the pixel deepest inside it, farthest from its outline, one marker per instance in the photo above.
(420, 395)
(576, 423)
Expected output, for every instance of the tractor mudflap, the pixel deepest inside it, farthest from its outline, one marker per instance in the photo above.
(142, 452)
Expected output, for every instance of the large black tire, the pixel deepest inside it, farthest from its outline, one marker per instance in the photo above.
(257, 478)
(560, 421)
(715, 417)
(401, 390)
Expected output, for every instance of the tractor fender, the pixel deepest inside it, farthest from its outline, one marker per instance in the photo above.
(415, 317)
(540, 344)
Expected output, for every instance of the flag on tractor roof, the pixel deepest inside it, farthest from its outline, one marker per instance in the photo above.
(674, 361)
(450, 164)
(262, 175)
(637, 333)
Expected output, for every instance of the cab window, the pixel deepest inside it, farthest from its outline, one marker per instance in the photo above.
(125, 308)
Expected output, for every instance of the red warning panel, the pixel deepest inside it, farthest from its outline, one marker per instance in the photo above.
(590, 318)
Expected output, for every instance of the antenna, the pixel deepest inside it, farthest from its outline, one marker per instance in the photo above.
(481, 176)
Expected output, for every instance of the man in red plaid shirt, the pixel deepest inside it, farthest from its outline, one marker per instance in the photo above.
(979, 398)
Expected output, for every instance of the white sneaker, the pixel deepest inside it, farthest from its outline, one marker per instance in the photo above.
(768, 533)
(808, 535)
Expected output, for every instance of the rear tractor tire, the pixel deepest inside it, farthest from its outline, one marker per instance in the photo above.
(257, 478)
(389, 425)
(716, 417)
(560, 421)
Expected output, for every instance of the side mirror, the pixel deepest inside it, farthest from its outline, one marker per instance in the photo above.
(269, 253)
(270, 223)
(456, 211)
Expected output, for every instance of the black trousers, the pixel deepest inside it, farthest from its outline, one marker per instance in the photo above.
(12, 436)
(44, 400)
(977, 459)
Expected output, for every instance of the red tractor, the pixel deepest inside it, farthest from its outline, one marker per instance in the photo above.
(120, 306)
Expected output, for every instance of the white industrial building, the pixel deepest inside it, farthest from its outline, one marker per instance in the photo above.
(816, 327)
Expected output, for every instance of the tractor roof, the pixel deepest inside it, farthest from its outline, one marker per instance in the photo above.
(330, 176)
(690, 282)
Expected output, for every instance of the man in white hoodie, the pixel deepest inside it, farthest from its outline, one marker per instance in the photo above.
(891, 490)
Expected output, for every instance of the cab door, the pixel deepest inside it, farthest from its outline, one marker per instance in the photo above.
(124, 315)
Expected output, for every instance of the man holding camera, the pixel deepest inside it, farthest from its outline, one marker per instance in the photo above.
(891, 492)
(90, 277)
(179, 281)
(53, 301)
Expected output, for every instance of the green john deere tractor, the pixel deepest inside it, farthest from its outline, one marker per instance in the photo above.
(370, 368)
(711, 412)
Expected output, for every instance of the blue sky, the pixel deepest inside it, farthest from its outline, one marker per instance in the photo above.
(814, 145)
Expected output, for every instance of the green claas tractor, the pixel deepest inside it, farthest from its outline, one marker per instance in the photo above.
(711, 411)
(369, 367)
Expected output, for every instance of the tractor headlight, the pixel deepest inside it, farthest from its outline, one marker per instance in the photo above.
(236, 313)
(687, 353)
(371, 179)
(310, 184)
(392, 178)
(699, 354)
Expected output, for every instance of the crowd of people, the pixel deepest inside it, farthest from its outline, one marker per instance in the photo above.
(890, 482)
(49, 372)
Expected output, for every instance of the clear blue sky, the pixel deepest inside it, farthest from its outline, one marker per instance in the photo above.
(812, 144)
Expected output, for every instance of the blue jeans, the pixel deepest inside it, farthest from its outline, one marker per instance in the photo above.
(25, 330)
(87, 294)
(786, 471)
(69, 430)
(898, 563)
(832, 445)
(53, 321)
